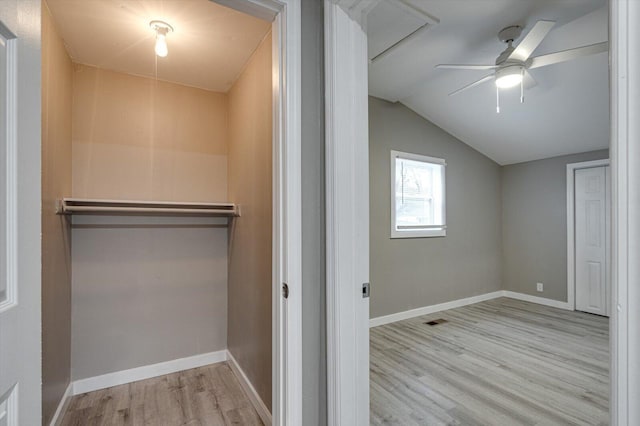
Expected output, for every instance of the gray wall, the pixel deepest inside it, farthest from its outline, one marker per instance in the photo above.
(146, 290)
(412, 273)
(314, 401)
(534, 217)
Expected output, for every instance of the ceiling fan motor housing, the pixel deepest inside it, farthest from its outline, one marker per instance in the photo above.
(510, 33)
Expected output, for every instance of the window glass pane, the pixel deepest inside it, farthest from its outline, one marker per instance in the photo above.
(418, 193)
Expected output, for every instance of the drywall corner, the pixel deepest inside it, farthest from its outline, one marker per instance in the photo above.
(56, 230)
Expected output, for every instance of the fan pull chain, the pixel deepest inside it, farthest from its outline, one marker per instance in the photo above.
(497, 100)
(522, 88)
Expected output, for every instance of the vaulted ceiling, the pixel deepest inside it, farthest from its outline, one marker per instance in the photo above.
(566, 112)
(208, 48)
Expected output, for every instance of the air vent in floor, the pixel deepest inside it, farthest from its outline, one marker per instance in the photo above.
(436, 322)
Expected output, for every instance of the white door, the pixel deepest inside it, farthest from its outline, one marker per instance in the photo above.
(592, 206)
(20, 348)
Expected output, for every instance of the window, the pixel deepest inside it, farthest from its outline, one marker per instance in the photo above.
(417, 196)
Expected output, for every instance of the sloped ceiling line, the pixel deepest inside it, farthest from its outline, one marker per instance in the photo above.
(566, 113)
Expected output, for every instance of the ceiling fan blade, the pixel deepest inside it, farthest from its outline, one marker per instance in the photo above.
(467, 67)
(474, 84)
(568, 55)
(531, 41)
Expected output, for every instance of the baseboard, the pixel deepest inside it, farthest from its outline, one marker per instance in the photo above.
(537, 299)
(387, 319)
(251, 392)
(62, 406)
(146, 372)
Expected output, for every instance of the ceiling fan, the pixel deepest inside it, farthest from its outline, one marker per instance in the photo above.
(511, 67)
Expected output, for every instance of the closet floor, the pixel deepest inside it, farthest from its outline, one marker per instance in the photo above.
(209, 395)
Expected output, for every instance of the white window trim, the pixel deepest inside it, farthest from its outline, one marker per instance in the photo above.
(440, 231)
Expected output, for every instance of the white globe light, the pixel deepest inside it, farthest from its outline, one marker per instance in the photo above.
(509, 76)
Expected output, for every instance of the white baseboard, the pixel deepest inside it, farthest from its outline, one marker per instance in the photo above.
(537, 299)
(62, 406)
(374, 322)
(146, 372)
(387, 319)
(251, 392)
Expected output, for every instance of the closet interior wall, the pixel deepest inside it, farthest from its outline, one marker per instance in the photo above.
(121, 292)
(250, 186)
(56, 230)
(146, 289)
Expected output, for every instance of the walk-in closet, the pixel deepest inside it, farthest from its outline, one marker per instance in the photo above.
(157, 171)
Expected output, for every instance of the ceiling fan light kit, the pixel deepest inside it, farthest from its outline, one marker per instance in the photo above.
(512, 65)
(509, 76)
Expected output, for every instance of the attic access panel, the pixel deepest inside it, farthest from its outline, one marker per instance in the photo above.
(390, 23)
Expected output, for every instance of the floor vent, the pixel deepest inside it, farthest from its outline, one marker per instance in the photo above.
(436, 322)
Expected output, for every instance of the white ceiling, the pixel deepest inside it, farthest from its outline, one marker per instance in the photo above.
(567, 112)
(208, 49)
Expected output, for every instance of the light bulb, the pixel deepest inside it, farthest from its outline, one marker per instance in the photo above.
(509, 76)
(162, 29)
(161, 45)
(508, 81)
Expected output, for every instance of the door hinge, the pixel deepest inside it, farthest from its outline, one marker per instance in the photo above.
(365, 290)
(285, 290)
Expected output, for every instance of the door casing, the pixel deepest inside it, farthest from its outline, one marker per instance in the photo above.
(286, 407)
(571, 237)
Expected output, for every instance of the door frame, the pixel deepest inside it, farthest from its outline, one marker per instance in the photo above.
(347, 213)
(286, 405)
(348, 390)
(21, 362)
(571, 228)
(625, 215)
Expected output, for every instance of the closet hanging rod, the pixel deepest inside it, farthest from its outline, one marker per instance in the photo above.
(123, 207)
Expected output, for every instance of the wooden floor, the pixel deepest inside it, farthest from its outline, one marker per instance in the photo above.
(209, 395)
(501, 362)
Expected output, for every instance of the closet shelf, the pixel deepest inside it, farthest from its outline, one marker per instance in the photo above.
(69, 206)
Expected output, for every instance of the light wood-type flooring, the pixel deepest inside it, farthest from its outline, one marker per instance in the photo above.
(209, 395)
(500, 362)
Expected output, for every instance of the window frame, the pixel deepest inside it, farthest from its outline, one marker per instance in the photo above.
(436, 231)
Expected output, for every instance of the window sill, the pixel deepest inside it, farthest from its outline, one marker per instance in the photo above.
(426, 233)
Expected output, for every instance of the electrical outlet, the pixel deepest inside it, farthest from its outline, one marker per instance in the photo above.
(540, 287)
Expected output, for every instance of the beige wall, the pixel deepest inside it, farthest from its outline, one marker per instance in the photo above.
(146, 290)
(408, 273)
(141, 139)
(250, 177)
(56, 242)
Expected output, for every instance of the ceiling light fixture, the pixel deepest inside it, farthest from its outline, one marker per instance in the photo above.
(162, 29)
(509, 76)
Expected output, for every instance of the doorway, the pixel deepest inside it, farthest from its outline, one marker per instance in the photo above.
(348, 19)
(589, 236)
(22, 20)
